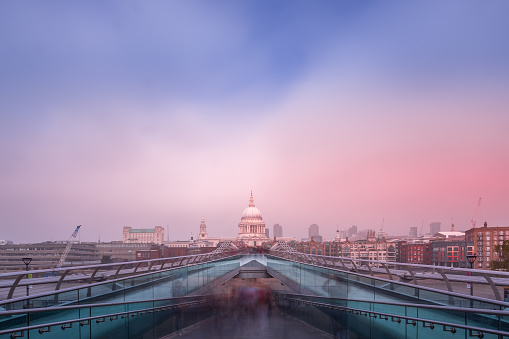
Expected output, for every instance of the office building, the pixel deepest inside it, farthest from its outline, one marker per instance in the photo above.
(413, 232)
(434, 227)
(47, 254)
(352, 232)
(143, 235)
(278, 230)
(313, 231)
(451, 253)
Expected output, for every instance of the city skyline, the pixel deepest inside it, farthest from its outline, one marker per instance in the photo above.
(195, 234)
(334, 114)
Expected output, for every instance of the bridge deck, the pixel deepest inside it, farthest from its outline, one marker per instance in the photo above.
(276, 326)
(152, 304)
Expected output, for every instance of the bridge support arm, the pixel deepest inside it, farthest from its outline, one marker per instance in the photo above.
(151, 265)
(342, 263)
(493, 286)
(447, 281)
(413, 275)
(93, 275)
(388, 270)
(118, 271)
(14, 285)
(370, 270)
(136, 267)
(61, 280)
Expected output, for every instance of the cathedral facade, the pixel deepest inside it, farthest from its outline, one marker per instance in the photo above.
(252, 226)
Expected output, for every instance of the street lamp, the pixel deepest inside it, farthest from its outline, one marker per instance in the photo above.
(471, 258)
(27, 262)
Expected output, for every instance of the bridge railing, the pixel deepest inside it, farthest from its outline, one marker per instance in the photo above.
(129, 319)
(454, 278)
(41, 288)
(376, 319)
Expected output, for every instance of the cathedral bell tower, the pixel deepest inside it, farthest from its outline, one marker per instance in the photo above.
(203, 230)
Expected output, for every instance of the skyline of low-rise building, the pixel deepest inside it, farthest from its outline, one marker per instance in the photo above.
(47, 254)
(442, 249)
(365, 244)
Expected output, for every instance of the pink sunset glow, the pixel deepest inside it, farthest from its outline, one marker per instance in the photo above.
(359, 132)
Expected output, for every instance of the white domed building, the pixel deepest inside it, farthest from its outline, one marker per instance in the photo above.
(251, 225)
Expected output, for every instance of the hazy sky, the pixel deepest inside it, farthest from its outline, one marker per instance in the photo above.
(145, 113)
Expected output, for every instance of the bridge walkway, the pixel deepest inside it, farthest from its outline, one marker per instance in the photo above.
(328, 300)
(275, 326)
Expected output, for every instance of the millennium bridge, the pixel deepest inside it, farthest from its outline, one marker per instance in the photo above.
(236, 294)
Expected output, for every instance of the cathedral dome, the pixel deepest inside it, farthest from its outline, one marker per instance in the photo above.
(251, 211)
(251, 226)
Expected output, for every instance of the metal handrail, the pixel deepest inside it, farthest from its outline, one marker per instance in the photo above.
(426, 288)
(87, 285)
(73, 307)
(447, 274)
(87, 320)
(294, 253)
(87, 267)
(451, 327)
(434, 307)
(91, 283)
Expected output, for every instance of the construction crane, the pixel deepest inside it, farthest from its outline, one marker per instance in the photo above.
(474, 219)
(68, 247)
(380, 233)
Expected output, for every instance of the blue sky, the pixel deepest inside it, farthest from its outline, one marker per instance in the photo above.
(158, 113)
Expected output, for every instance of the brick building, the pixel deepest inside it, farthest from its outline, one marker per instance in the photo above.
(118, 251)
(370, 248)
(484, 241)
(414, 252)
(310, 247)
(148, 254)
